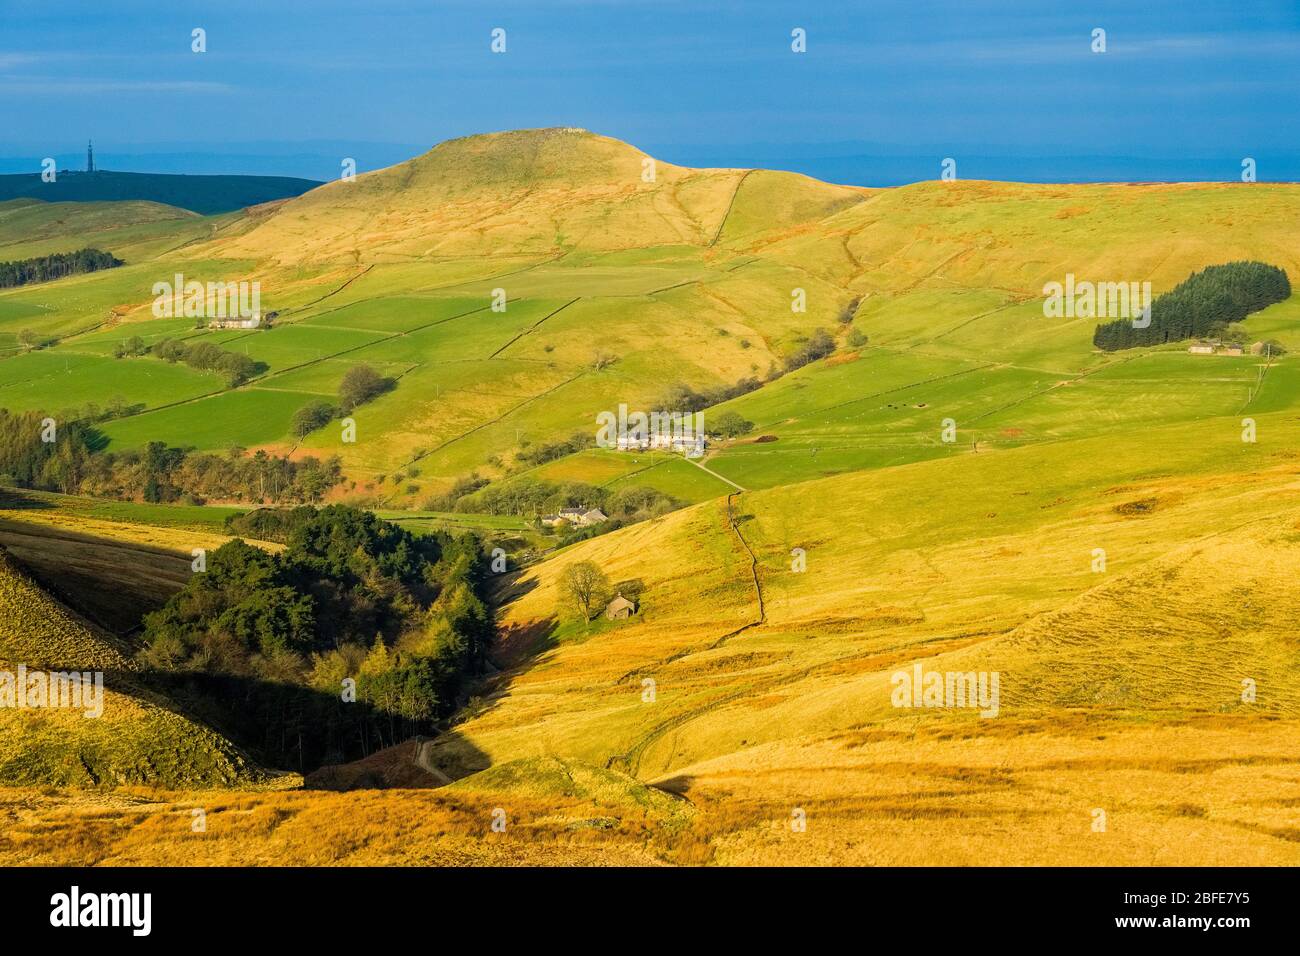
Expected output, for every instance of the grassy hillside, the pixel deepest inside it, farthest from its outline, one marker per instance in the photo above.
(617, 287)
(137, 740)
(981, 562)
(1123, 686)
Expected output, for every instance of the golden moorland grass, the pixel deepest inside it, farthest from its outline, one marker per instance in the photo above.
(1130, 676)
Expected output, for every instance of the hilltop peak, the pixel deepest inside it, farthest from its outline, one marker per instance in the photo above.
(536, 192)
(555, 152)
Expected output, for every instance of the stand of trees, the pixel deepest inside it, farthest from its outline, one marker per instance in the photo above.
(206, 357)
(1200, 304)
(531, 455)
(74, 464)
(819, 345)
(682, 398)
(55, 266)
(355, 637)
(525, 497)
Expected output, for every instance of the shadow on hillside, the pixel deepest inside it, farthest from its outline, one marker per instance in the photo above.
(109, 581)
(16, 499)
(679, 786)
(511, 586)
(517, 644)
(289, 727)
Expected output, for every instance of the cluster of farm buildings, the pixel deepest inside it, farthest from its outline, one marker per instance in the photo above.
(577, 517)
(1219, 348)
(690, 445)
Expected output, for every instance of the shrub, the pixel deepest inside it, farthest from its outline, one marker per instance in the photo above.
(312, 416)
(729, 425)
(361, 384)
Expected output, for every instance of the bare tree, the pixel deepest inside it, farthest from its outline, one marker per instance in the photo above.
(583, 581)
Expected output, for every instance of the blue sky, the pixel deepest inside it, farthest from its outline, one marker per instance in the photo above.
(883, 93)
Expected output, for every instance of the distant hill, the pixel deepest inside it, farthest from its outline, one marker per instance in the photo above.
(542, 192)
(201, 194)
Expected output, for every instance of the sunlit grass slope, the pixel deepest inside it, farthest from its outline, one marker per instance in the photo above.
(623, 275)
(982, 562)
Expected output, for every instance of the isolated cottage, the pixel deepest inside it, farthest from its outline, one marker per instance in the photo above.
(251, 322)
(1201, 349)
(620, 609)
(575, 516)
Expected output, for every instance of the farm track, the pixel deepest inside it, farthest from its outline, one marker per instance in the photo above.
(709, 471)
(1079, 377)
(974, 318)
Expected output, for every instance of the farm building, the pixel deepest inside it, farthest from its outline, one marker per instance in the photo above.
(575, 516)
(1217, 348)
(690, 445)
(251, 322)
(620, 609)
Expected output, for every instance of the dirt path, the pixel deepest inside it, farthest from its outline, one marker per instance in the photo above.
(424, 760)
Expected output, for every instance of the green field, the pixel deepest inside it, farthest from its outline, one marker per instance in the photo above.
(599, 316)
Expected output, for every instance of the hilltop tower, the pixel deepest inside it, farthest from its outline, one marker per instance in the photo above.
(90, 156)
